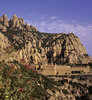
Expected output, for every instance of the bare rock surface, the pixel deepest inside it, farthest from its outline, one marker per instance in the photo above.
(25, 41)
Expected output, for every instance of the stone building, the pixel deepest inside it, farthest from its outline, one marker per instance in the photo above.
(62, 70)
(82, 69)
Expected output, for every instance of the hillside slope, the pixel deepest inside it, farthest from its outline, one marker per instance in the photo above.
(19, 40)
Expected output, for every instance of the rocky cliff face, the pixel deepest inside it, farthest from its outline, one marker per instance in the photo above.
(19, 40)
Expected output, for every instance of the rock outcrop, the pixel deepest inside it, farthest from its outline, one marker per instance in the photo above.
(21, 21)
(4, 23)
(4, 20)
(14, 23)
(27, 42)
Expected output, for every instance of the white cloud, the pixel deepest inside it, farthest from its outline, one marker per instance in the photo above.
(43, 24)
(53, 17)
(61, 26)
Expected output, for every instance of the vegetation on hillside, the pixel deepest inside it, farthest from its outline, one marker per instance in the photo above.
(19, 81)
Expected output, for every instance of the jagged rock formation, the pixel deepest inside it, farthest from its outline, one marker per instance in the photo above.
(4, 20)
(14, 23)
(24, 41)
(4, 23)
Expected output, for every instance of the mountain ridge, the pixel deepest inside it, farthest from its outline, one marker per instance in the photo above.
(24, 41)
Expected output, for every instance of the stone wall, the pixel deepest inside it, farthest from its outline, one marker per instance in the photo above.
(61, 70)
(81, 69)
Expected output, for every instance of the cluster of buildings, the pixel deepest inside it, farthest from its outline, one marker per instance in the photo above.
(65, 70)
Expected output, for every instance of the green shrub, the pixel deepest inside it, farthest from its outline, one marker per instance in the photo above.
(19, 81)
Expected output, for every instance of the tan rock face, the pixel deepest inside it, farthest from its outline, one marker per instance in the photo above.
(40, 48)
(4, 20)
(15, 22)
(4, 29)
(73, 49)
(1, 26)
(4, 44)
(21, 21)
(27, 27)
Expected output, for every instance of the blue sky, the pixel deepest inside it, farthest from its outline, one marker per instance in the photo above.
(55, 16)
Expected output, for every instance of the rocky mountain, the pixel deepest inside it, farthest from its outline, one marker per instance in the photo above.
(19, 40)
